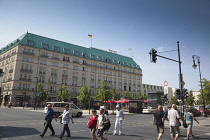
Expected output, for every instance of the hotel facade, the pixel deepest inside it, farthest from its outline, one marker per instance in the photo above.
(33, 59)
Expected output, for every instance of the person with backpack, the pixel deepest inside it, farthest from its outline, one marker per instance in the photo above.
(102, 124)
(92, 124)
(189, 117)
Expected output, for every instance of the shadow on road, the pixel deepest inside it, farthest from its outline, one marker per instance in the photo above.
(8, 131)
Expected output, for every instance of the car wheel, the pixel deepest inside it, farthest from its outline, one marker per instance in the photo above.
(79, 114)
(57, 114)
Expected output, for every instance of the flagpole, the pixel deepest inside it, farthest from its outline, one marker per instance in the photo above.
(91, 42)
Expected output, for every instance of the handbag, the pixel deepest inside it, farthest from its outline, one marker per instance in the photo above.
(107, 125)
(185, 124)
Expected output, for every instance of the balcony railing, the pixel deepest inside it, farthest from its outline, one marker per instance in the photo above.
(75, 77)
(29, 53)
(42, 72)
(54, 74)
(76, 62)
(65, 76)
(26, 70)
(43, 55)
(66, 60)
(24, 79)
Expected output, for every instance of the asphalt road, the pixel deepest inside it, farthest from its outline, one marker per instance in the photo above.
(19, 124)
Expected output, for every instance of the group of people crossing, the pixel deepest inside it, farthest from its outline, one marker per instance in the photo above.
(173, 117)
(97, 123)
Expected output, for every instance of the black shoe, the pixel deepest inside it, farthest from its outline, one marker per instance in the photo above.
(41, 136)
(52, 134)
(68, 136)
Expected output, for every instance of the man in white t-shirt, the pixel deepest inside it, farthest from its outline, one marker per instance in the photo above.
(67, 114)
(173, 118)
(118, 122)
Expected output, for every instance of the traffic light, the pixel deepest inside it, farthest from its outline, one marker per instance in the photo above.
(185, 93)
(178, 94)
(153, 55)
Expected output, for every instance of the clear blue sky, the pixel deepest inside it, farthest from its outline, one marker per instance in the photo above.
(120, 25)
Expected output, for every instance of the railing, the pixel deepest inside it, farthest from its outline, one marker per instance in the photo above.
(54, 74)
(43, 55)
(26, 70)
(42, 72)
(29, 53)
(64, 75)
(24, 79)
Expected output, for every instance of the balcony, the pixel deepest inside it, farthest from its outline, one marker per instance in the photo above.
(54, 74)
(66, 60)
(24, 79)
(43, 55)
(9, 79)
(28, 53)
(83, 78)
(55, 58)
(52, 82)
(11, 71)
(76, 62)
(42, 72)
(65, 76)
(26, 70)
(41, 81)
(75, 77)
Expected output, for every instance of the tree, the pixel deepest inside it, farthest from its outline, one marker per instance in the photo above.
(190, 99)
(174, 100)
(84, 95)
(115, 95)
(206, 91)
(139, 96)
(42, 96)
(127, 95)
(63, 94)
(104, 94)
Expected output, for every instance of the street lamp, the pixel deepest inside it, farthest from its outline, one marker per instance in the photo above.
(195, 66)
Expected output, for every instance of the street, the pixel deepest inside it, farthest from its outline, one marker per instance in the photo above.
(22, 124)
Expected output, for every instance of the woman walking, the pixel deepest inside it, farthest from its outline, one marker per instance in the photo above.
(189, 120)
(92, 124)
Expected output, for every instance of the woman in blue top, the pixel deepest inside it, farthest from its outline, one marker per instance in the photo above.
(189, 120)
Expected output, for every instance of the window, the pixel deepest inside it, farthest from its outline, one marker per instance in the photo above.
(92, 56)
(65, 66)
(66, 51)
(75, 68)
(84, 69)
(57, 49)
(76, 53)
(43, 62)
(84, 55)
(92, 70)
(55, 64)
(30, 42)
(99, 57)
(45, 46)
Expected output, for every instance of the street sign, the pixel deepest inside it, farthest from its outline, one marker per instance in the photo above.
(165, 87)
(183, 83)
(38, 93)
(165, 84)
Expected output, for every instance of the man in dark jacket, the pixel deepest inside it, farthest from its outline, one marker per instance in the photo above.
(48, 118)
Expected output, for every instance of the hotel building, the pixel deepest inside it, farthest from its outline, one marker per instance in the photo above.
(33, 59)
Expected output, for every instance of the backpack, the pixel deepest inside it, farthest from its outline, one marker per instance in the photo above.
(106, 125)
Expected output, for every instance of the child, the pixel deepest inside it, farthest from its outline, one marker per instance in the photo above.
(92, 124)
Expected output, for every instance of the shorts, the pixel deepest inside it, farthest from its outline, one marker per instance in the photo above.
(189, 126)
(100, 132)
(160, 129)
(175, 131)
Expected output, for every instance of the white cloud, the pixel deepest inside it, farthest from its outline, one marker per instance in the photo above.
(161, 49)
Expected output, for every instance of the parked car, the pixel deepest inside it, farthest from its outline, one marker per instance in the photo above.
(201, 110)
(149, 110)
(58, 108)
(195, 111)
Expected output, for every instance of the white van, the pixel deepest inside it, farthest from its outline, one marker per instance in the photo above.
(59, 107)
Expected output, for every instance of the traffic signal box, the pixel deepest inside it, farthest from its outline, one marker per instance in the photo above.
(178, 94)
(153, 55)
(185, 93)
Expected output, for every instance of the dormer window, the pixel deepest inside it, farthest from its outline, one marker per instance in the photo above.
(76, 53)
(92, 56)
(84, 55)
(66, 51)
(30, 42)
(45, 46)
(56, 49)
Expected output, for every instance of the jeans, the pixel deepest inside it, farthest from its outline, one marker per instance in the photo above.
(50, 126)
(65, 128)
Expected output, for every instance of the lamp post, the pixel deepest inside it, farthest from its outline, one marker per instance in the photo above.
(195, 66)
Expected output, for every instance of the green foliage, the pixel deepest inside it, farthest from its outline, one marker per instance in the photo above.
(42, 96)
(139, 96)
(174, 100)
(104, 94)
(191, 99)
(63, 94)
(84, 95)
(127, 95)
(206, 91)
(115, 94)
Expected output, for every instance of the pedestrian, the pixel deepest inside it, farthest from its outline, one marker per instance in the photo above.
(102, 121)
(118, 122)
(92, 124)
(67, 114)
(189, 121)
(107, 113)
(173, 118)
(166, 112)
(48, 118)
(158, 120)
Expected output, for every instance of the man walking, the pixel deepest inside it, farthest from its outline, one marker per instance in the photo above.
(102, 120)
(158, 120)
(118, 122)
(173, 118)
(48, 118)
(67, 114)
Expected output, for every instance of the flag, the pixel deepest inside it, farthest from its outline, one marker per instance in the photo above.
(89, 35)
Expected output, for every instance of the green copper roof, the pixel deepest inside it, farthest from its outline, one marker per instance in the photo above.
(71, 49)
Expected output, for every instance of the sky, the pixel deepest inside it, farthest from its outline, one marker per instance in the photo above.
(119, 25)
